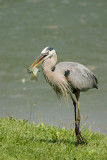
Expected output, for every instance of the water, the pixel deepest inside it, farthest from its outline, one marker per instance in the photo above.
(77, 29)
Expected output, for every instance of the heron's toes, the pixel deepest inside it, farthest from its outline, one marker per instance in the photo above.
(80, 139)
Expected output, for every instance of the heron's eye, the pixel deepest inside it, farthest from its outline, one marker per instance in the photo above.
(47, 52)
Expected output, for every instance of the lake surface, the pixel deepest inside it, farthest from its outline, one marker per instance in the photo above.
(77, 29)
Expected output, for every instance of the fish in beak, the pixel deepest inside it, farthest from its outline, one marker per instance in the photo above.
(39, 60)
(33, 68)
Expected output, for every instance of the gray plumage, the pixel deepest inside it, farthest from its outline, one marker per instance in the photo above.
(79, 77)
(66, 77)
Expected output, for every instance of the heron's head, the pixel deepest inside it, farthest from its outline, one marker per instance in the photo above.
(46, 53)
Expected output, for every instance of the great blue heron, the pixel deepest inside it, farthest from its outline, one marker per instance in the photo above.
(67, 78)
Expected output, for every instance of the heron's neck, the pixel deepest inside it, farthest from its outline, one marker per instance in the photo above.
(55, 78)
(49, 63)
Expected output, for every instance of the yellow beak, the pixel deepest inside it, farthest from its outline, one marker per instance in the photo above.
(38, 61)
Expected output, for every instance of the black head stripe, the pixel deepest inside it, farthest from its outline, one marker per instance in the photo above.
(50, 48)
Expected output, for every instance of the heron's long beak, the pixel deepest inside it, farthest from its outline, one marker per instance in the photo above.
(38, 61)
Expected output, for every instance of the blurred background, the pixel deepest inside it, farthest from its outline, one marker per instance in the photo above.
(77, 30)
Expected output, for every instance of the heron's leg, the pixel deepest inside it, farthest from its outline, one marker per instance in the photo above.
(77, 120)
(77, 94)
(74, 103)
(79, 136)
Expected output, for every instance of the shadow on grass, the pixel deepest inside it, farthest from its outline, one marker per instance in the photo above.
(58, 141)
(62, 141)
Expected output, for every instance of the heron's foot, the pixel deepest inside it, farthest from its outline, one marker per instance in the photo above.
(80, 139)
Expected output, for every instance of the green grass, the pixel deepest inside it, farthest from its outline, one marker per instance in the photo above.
(21, 140)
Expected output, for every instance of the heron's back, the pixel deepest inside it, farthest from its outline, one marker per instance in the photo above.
(78, 76)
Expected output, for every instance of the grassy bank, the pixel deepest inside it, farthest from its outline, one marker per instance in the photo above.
(25, 141)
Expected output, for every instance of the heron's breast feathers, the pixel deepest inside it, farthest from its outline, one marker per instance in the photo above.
(58, 82)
